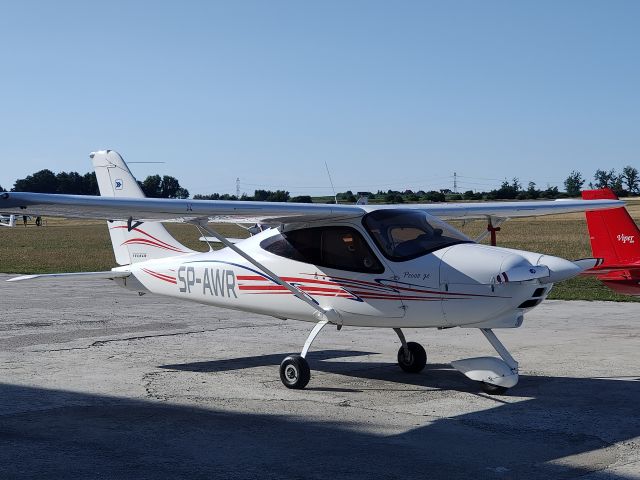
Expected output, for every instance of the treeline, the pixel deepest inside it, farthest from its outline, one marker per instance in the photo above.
(72, 183)
(624, 183)
(258, 196)
(45, 181)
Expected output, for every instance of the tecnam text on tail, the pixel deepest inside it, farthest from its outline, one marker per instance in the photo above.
(345, 265)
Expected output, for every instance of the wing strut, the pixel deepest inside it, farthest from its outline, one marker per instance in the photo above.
(322, 314)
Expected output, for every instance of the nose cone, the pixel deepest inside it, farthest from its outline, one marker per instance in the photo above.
(480, 264)
(559, 268)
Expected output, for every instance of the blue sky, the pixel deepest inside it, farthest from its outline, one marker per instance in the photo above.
(390, 94)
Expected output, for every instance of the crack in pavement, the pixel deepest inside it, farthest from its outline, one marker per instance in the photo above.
(99, 343)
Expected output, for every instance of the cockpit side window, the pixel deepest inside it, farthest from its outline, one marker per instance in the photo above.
(342, 248)
(406, 234)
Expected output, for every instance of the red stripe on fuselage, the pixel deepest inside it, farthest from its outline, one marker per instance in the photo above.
(139, 230)
(160, 276)
(145, 241)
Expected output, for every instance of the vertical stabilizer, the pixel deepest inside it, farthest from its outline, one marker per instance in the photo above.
(614, 235)
(134, 241)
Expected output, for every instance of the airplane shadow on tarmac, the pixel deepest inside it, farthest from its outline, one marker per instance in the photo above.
(62, 434)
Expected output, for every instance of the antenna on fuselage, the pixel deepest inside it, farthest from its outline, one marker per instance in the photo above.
(335, 196)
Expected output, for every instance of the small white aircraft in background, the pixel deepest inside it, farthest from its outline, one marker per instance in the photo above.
(7, 220)
(382, 266)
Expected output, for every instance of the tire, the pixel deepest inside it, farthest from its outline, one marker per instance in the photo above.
(492, 389)
(417, 358)
(295, 372)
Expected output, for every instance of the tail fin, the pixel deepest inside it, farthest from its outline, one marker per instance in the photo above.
(614, 235)
(135, 242)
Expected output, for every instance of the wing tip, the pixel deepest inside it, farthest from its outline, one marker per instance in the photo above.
(22, 277)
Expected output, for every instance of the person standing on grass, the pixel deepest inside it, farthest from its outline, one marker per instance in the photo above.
(24, 220)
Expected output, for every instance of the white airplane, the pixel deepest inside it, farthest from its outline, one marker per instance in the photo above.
(346, 265)
(7, 220)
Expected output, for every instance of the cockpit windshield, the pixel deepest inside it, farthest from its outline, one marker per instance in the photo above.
(405, 234)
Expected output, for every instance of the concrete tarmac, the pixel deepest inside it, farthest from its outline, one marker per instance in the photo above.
(100, 383)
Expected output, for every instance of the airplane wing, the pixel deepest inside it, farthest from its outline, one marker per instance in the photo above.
(482, 210)
(220, 211)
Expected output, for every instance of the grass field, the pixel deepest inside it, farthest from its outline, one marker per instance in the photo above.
(73, 245)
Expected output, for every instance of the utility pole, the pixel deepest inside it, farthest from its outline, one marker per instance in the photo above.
(238, 188)
(455, 182)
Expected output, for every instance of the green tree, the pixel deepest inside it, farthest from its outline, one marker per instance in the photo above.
(433, 196)
(532, 191)
(212, 196)
(573, 184)
(90, 184)
(393, 197)
(278, 196)
(551, 192)
(43, 181)
(506, 190)
(302, 199)
(182, 193)
(71, 183)
(170, 188)
(471, 195)
(631, 179)
(347, 196)
(603, 178)
(2, 189)
(270, 196)
(152, 186)
(617, 185)
(261, 195)
(167, 186)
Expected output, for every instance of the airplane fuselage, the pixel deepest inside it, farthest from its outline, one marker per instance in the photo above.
(459, 285)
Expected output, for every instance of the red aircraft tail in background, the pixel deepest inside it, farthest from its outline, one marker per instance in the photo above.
(616, 239)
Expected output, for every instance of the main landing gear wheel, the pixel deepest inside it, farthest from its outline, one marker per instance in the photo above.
(415, 360)
(492, 389)
(295, 372)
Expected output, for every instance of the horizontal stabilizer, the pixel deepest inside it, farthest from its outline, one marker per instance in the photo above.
(588, 263)
(104, 275)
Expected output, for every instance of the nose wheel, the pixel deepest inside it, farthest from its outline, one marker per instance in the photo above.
(495, 375)
(492, 389)
(413, 358)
